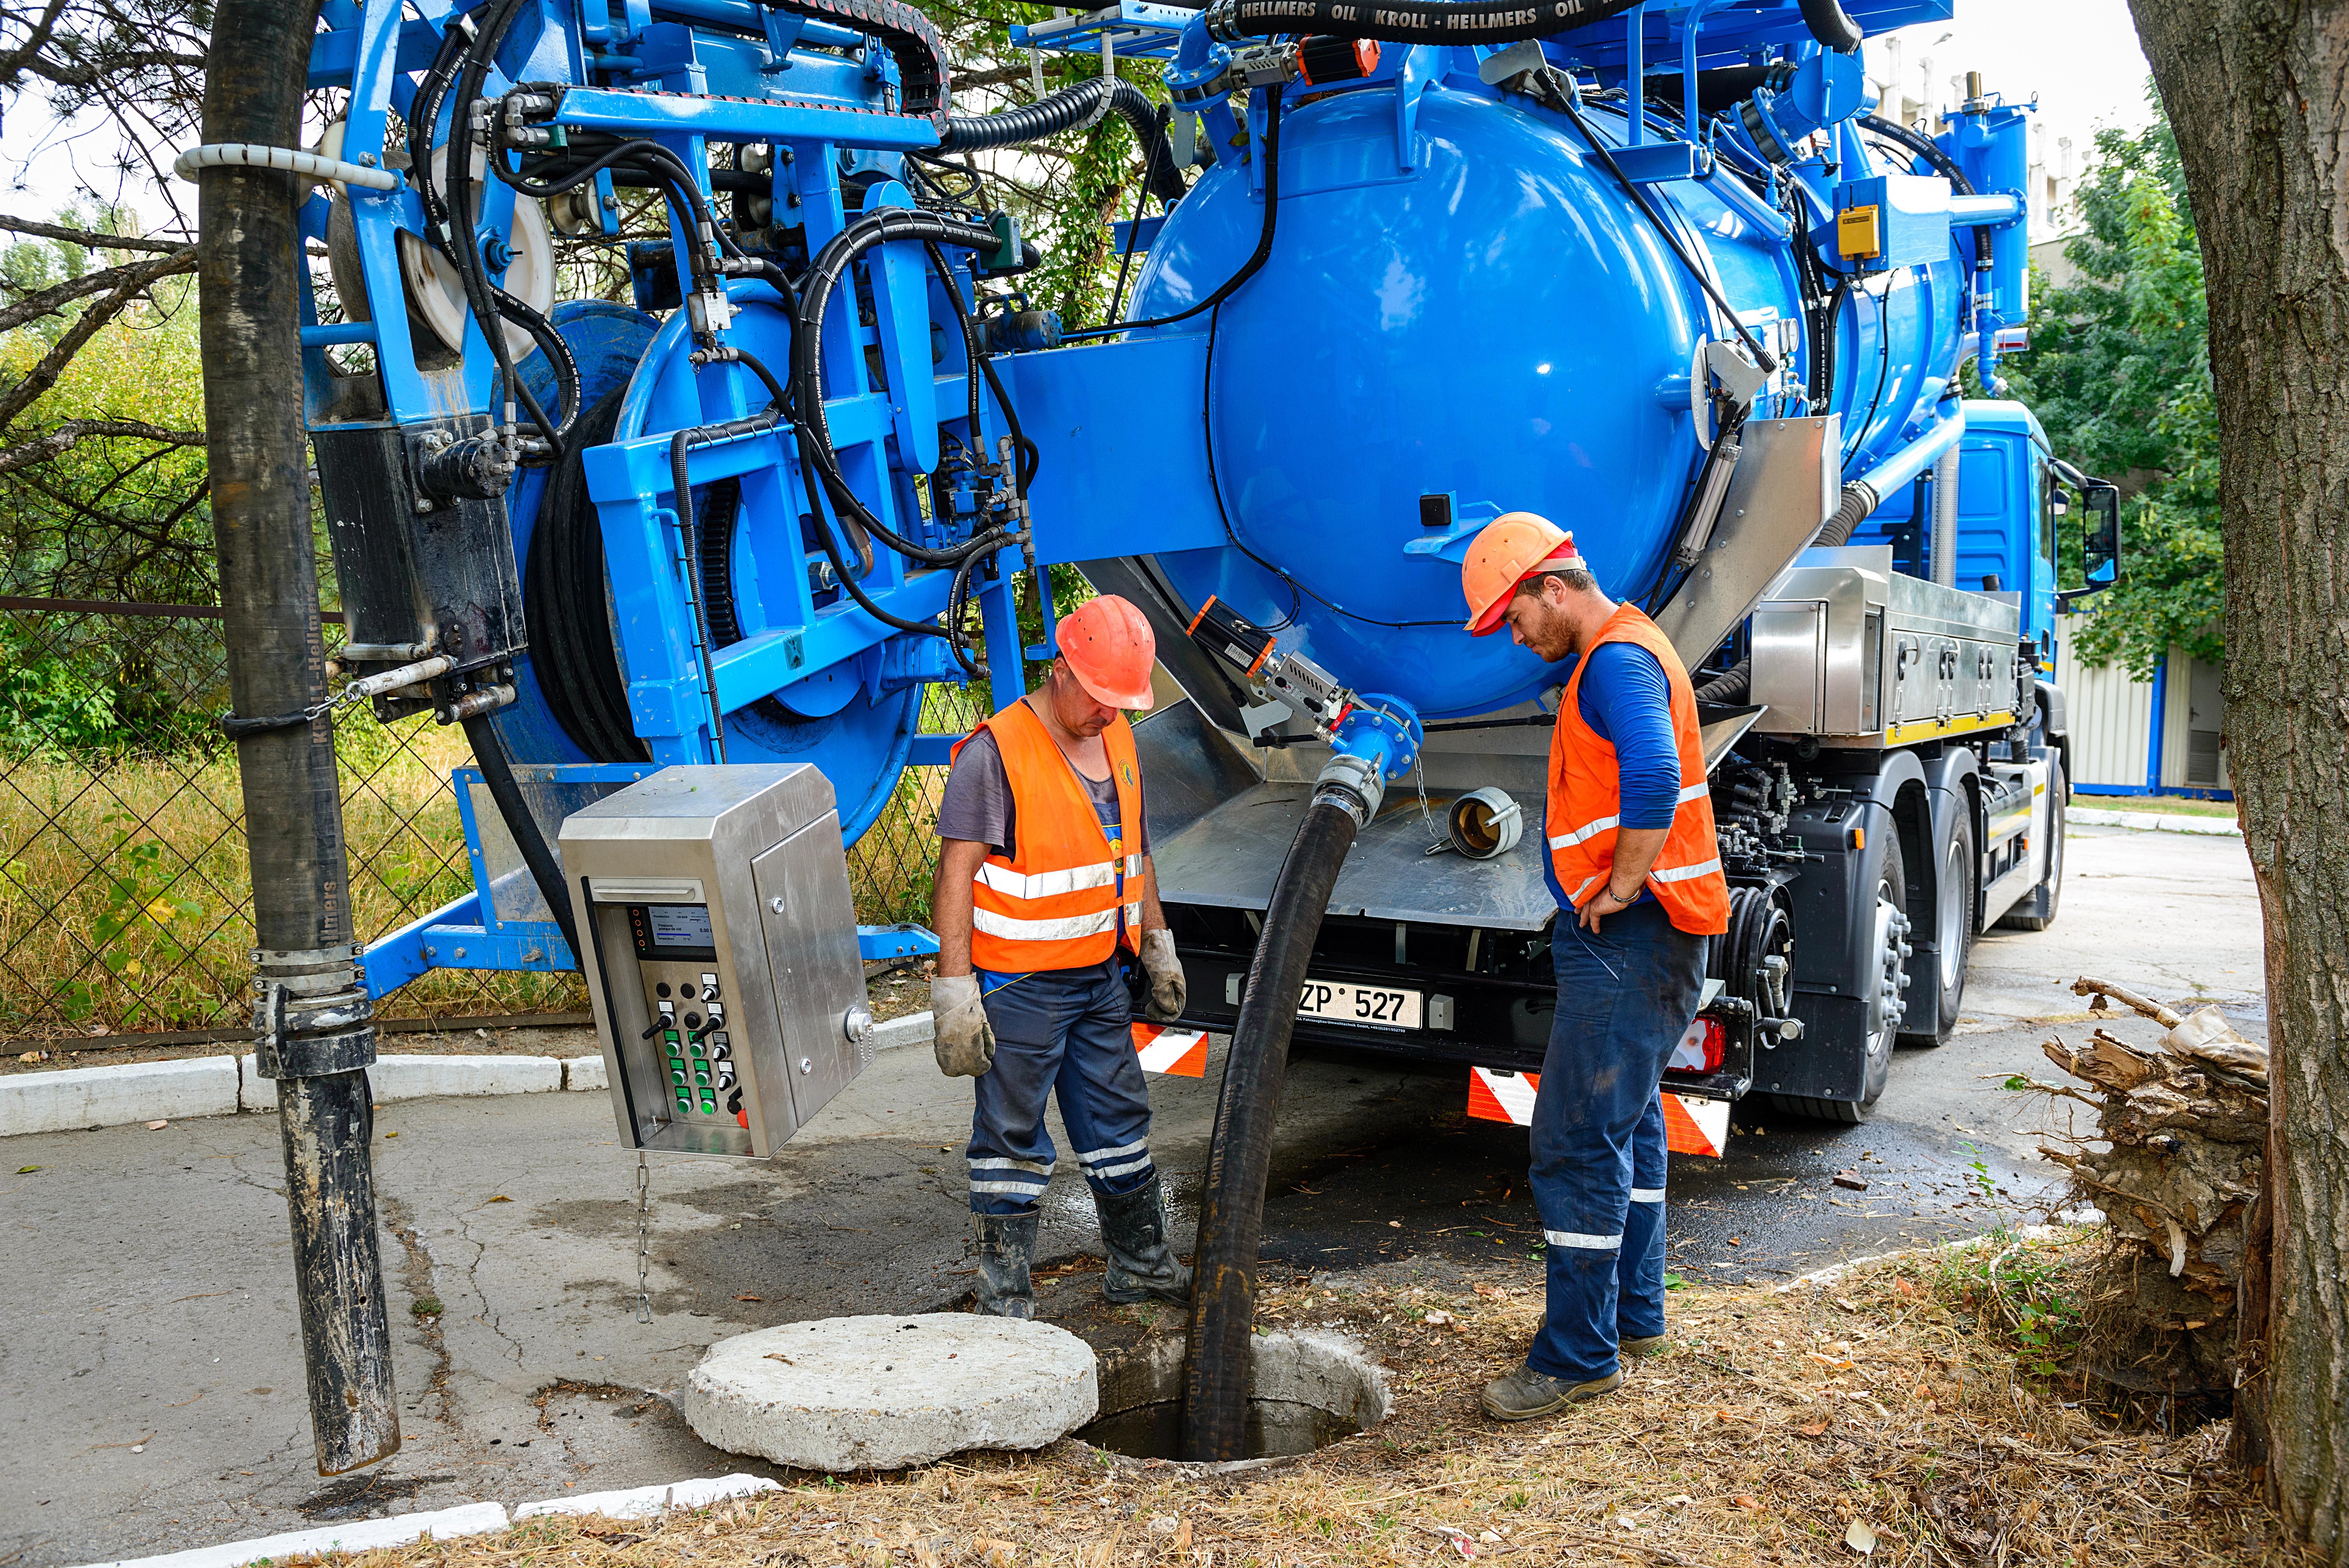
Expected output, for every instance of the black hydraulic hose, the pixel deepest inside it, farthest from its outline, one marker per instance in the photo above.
(830, 265)
(1455, 22)
(1071, 105)
(1217, 1366)
(568, 609)
(1761, 356)
(497, 773)
(1257, 258)
(1940, 162)
(1831, 26)
(1027, 455)
(558, 359)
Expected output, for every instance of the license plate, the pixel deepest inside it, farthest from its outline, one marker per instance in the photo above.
(1374, 1007)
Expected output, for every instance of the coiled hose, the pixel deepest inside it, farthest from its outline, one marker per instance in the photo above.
(1072, 105)
(1217, 1365)
(1859, 499)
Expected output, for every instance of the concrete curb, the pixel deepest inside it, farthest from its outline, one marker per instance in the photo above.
(74, 1099)
(913, 1029)
(360, 1535)
(426, 1077)
(2155, 822)
(646, 1502)
(448, 1523)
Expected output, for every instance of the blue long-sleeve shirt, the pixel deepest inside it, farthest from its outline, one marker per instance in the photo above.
(1627, 701)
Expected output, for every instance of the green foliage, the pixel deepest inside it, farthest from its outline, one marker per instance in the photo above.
(2119, 372)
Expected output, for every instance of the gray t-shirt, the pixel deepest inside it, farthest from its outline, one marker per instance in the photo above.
(978, 803)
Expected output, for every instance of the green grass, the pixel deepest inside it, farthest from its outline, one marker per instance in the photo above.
(2163, 805)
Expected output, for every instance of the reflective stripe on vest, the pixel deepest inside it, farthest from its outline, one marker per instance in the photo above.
(1586, 796)
(1053, 901)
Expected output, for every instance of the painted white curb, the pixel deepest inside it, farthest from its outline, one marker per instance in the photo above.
(914, 1029)
(2154, 821)
(71, 1099)
(360, 1535)
(428, 1078)
(647, 1501)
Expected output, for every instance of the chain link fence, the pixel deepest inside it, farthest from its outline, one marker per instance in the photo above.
(126, 901)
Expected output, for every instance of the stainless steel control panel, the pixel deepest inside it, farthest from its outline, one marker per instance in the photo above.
(721, 956)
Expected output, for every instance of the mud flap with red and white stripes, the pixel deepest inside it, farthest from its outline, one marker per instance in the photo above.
(1180, 1053)
(1692, 1124)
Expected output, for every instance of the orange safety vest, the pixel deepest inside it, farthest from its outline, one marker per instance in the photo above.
(1053, 903)
(1586, 797)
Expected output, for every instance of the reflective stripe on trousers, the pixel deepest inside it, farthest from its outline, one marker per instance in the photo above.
(1064, 1033)
(1598, 1134)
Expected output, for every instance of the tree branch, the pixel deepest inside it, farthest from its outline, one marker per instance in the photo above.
(51, 444)
(49, 301)
(44, 375)
(91, 237)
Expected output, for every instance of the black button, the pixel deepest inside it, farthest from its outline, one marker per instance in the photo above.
(686, 992)
(661, 989)
(693, 1020)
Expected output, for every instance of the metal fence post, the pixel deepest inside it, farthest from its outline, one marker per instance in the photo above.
(316, 1039)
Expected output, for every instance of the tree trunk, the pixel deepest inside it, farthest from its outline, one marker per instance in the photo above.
(2258, 91)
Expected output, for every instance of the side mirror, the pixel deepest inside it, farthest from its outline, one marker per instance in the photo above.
(2100, 542)
(2100, 539)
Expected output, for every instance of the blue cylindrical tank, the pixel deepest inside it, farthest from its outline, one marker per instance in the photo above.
(1499, 323)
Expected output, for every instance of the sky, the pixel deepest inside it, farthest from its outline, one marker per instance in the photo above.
(2078, 57)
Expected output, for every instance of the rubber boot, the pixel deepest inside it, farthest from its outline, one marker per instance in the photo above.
(1007, 1251)
(1134, 1234)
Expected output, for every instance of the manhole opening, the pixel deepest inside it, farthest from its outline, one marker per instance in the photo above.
(1309, 1391)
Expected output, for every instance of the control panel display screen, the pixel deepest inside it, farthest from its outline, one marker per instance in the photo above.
(672, 931)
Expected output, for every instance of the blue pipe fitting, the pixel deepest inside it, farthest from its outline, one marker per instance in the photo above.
(1377, 739)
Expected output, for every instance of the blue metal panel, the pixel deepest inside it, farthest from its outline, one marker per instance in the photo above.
(903, 941)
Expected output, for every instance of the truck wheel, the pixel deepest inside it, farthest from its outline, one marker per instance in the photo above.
(1936, 1010)
(1890, 970)
(2037, 909)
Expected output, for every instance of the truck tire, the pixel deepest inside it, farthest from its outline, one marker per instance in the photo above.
(2037, 909)
(1936, 1010)
(1891, 935)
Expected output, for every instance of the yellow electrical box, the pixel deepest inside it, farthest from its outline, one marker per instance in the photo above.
(1857, 232)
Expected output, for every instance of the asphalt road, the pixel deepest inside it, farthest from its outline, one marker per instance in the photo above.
(150, 1373)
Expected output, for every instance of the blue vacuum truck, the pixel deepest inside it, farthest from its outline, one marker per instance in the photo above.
(685, 567)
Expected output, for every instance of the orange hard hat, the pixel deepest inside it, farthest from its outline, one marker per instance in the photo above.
(1110, 650)
(1508, 549)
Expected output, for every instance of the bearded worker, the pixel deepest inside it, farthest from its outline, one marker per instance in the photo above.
(1636, 871)
(1045, 892)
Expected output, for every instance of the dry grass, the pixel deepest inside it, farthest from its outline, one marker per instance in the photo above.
(1774, 1423)
(129, 898)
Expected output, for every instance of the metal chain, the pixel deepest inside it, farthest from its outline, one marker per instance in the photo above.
(1440, 836)
(643, 1238)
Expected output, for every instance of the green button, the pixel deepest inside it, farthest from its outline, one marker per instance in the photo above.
(702, 1078)
(697, 1047)
(709, 1107)
(684, 1102)
(678, 1078)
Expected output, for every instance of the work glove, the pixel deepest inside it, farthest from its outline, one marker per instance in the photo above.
(963, 1040)
(1167, 991)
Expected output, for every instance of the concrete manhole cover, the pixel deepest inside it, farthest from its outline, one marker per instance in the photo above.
(882, 1393)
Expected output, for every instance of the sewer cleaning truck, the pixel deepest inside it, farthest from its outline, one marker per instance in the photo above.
(685, 567)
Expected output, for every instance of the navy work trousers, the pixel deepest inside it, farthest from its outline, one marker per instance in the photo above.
(1067, 1031)
(1625, 996)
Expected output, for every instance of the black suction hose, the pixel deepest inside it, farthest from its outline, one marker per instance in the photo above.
(1859, 499)
(1830, 25)
(497, 773)
(1071, 106)
(1217, 1365)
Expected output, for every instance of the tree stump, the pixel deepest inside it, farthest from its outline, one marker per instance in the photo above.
(2184, 1127)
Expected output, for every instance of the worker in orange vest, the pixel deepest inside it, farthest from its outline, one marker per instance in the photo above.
(1636, 871)
(1044, 891)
